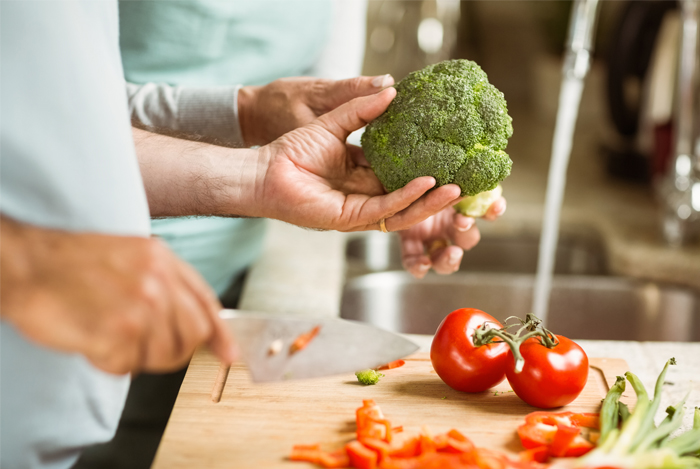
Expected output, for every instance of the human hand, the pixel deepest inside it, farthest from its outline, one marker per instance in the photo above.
(267, 112)
(127, 304)
(440, 241)
(313, 178)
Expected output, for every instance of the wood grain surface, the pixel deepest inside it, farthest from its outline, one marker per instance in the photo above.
(255, 425)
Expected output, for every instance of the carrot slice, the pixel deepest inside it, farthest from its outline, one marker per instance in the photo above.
(392, 365)
(301, 342)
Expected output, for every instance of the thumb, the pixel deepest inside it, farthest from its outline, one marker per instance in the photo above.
(340, 92)
(355, 114)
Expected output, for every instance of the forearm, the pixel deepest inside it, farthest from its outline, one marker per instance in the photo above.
(14, 264)
(185, 178)
(205, 111)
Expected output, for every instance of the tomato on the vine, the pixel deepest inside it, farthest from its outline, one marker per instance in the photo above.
(462, 365)
(551, 377)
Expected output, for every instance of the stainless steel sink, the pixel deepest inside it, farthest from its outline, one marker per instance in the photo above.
(591, 306)
(576, 254)
(581, 307)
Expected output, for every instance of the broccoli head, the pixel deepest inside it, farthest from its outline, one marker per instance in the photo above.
(446, 121)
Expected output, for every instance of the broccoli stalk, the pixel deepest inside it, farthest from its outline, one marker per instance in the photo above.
(477, 205)
(446, 121)
(368, 377)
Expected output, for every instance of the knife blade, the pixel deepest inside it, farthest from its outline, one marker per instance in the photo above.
(341, 346)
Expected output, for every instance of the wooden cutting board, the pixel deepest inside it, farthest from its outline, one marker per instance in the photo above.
(256, 425)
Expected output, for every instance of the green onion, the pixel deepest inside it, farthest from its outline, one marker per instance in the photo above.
(632, 439)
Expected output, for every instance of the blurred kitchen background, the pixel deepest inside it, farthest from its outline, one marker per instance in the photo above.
(624, 131)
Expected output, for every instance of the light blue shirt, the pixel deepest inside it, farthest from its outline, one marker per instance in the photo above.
(213, 43)
(68, 162)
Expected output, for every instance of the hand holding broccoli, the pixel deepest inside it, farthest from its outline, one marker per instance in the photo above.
(311, 177)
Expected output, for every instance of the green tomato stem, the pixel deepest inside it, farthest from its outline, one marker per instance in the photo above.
(487, 335)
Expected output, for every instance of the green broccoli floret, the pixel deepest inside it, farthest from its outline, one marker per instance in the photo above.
(446, 121)
(368, 376)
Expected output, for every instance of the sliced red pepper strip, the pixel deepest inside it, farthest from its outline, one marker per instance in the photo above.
(426, 444)
(408, 448)
(333, 460)
(313, 454)
(563, 439)
(457, 443)
(486, 459)
(539, 454)
(546, 428)
(428, 461)
(308, 453)
(371, 422)
(361, 457)
(303, 340)
(392, 365)
(381, 447)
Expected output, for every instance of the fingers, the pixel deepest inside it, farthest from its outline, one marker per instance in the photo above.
(218, 337)
(413, 256)
(426, 206)
(496, 209)
(336, 93)
(447, 260)
(355, 114)
(464, 232)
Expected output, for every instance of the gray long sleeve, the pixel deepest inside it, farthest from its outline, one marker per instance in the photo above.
(208, 111)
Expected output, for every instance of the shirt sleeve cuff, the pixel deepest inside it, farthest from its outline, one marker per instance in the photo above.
(211, 111)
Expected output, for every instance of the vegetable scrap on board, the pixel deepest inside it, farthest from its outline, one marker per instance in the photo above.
(371, 376)
(301, 342)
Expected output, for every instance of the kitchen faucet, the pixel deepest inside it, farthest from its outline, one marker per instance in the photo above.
(580, 41)
(680, 190)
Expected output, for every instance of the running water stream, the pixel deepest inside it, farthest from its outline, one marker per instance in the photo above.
(569, 100)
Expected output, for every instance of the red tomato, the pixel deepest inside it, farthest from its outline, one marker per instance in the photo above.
(551, 377)
(462, 365)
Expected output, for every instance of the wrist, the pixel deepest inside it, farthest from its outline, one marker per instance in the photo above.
(247, 96)
(243, 189)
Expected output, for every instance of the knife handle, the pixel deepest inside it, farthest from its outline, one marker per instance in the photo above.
(221, 378)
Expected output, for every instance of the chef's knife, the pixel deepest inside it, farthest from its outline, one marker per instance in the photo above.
(340, 346)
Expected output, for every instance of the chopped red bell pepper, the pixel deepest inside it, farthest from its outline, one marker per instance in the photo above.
(371, 422)
(559, 432)
(375, 449)
(314, 454)
(428, 461)
(335, 459)
(407, 448)
(303, 340)
(361, 457)
(392, 365)
(457, 443)
(539, 454)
